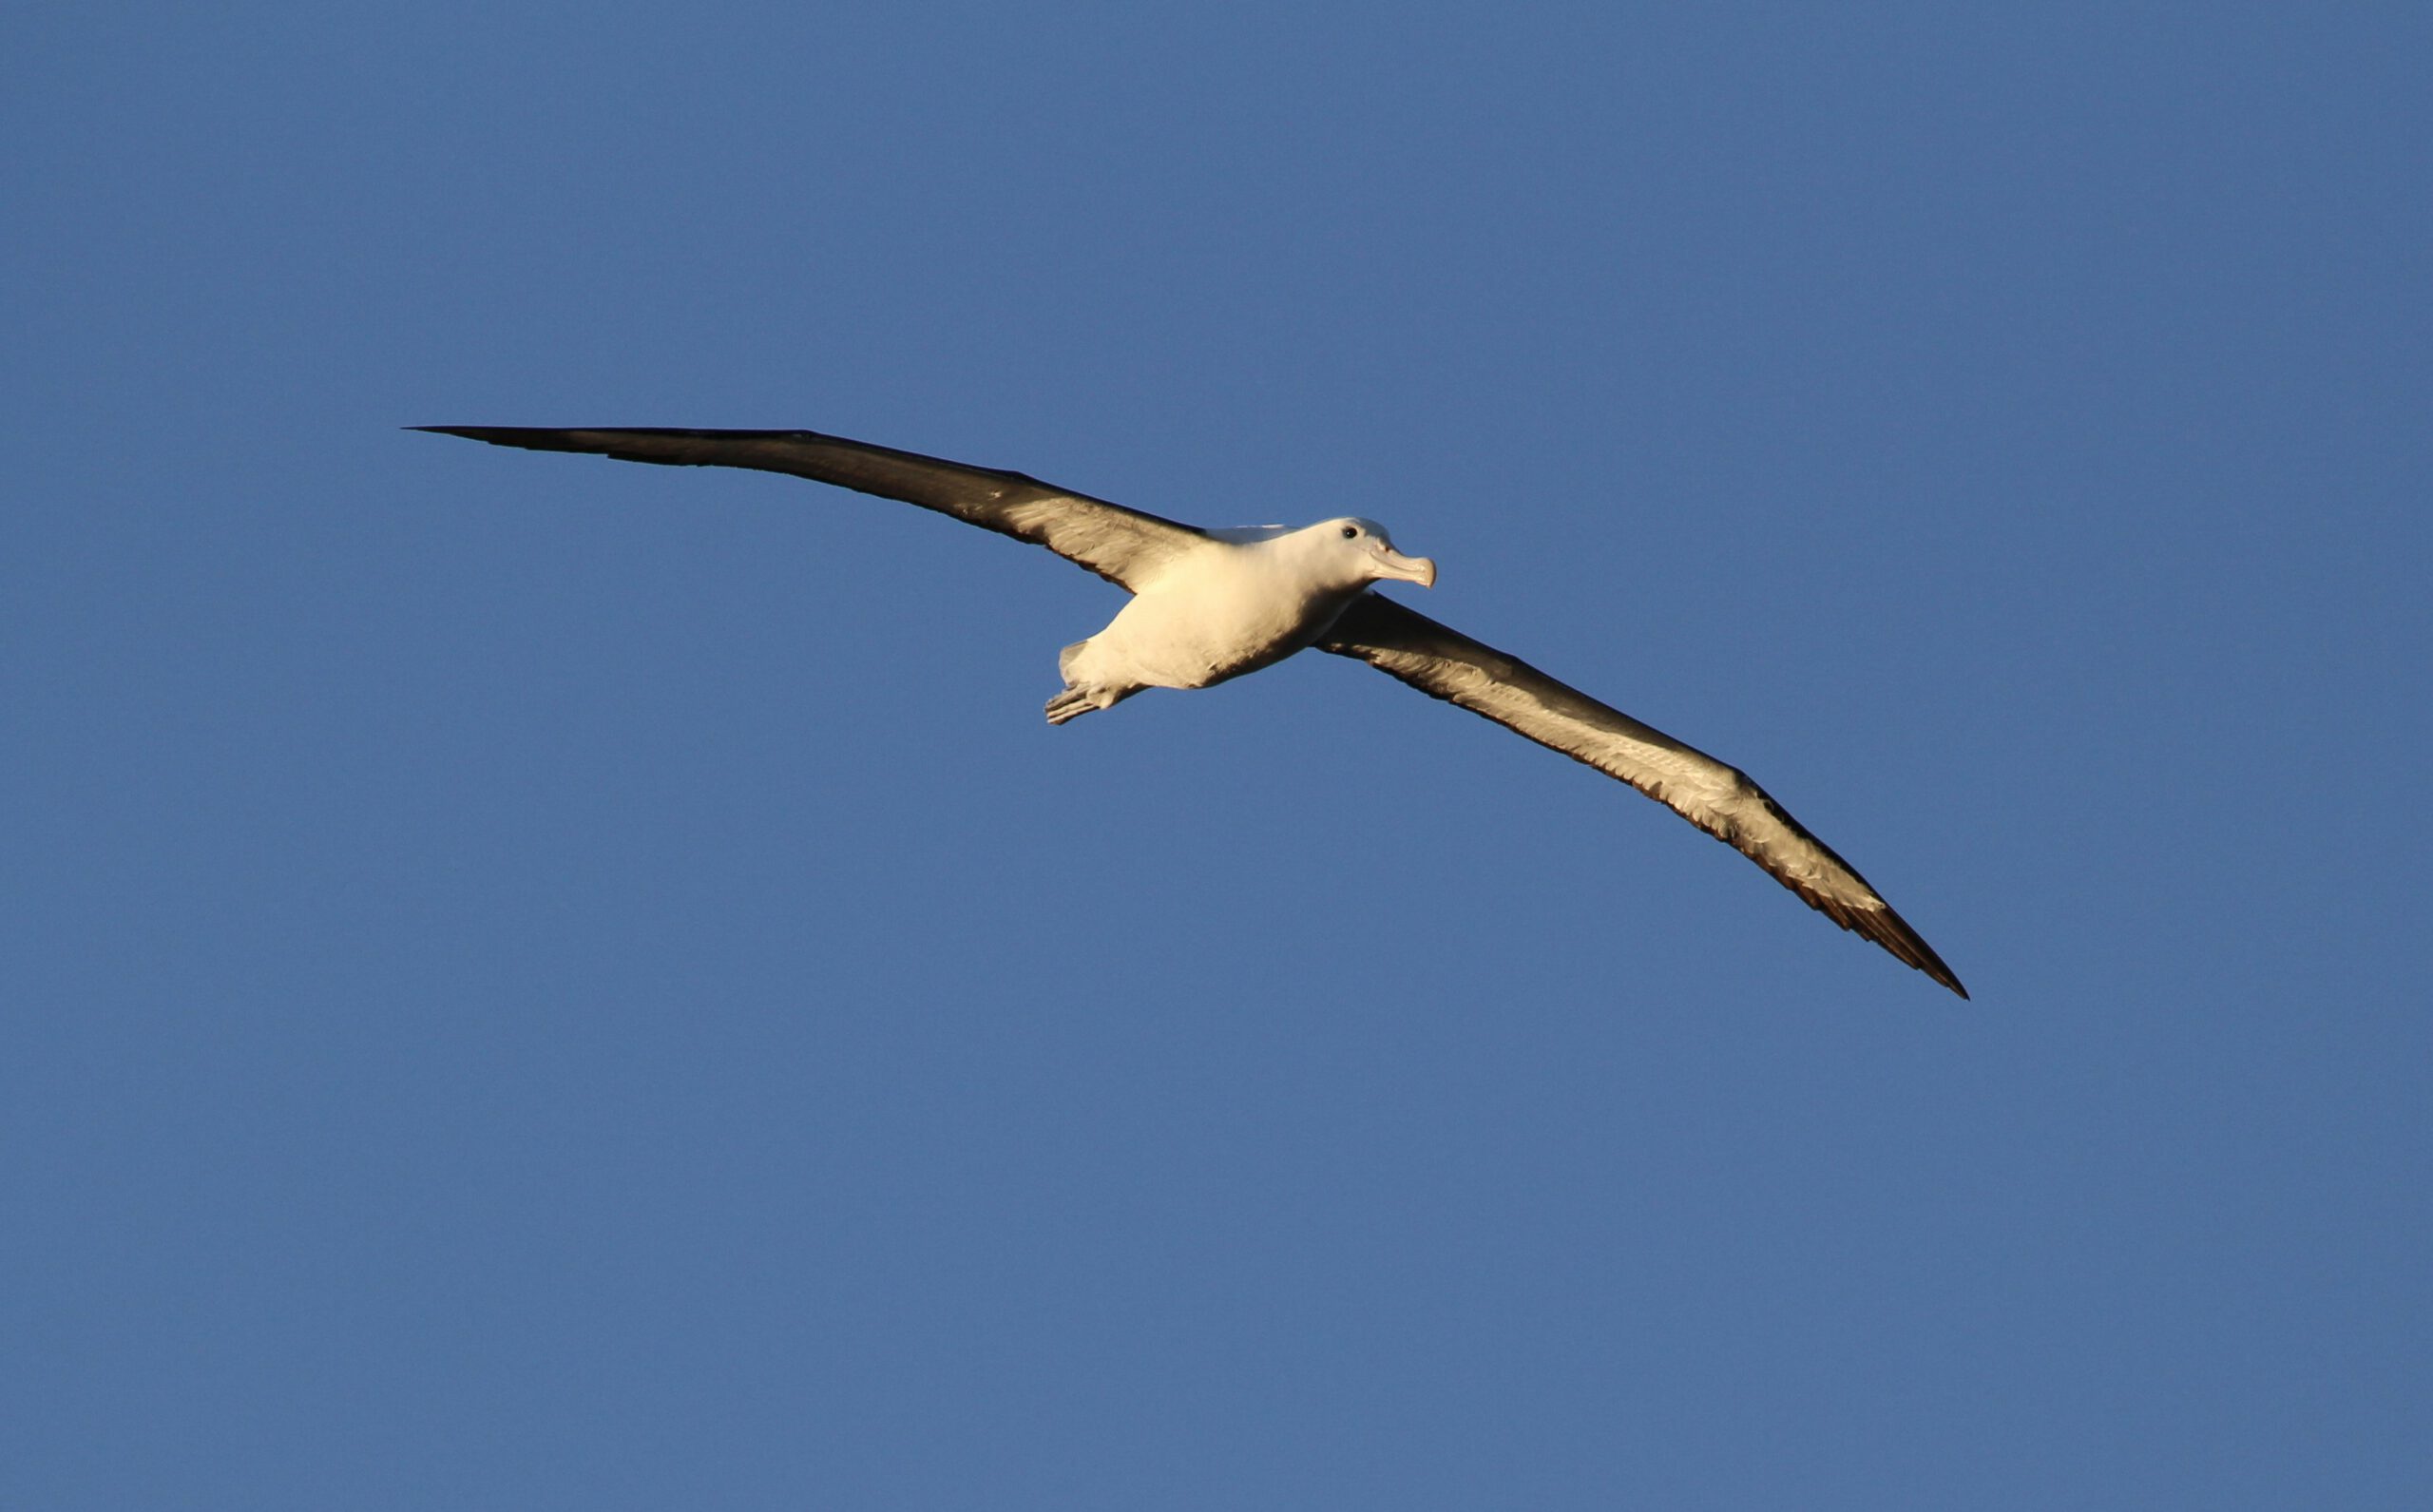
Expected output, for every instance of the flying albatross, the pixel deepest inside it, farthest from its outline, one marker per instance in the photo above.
(1211, 605)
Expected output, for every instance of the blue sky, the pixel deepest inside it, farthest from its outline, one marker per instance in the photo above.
(536, 983)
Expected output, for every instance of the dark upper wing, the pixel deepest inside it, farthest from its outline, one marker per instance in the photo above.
(1123, 545)
(1719, 799)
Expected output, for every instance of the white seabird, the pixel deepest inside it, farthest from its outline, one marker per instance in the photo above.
(1213, 605)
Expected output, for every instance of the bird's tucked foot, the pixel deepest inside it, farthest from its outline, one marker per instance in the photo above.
(1070, 704)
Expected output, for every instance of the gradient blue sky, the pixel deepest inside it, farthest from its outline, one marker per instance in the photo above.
(540, 984)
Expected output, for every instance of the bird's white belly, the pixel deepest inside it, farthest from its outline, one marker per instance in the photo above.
(1209, 627)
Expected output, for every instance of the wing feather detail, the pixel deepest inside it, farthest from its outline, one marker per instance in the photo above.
(1125, 546)
(1718, 798)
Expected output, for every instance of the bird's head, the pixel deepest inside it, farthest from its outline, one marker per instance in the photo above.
(1362, 551)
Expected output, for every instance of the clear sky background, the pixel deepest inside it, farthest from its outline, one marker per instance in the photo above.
(534, 982)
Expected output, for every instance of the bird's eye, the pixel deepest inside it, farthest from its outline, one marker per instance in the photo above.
(1350, 533)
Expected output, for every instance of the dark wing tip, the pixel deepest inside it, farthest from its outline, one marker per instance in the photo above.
(537, 437)
(667, 445)
(497, 435)
(1891, 931)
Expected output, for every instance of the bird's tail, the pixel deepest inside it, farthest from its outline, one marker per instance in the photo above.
(1072, 703)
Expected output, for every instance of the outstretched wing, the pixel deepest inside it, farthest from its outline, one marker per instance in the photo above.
(1720, 799)
(1123, 545)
